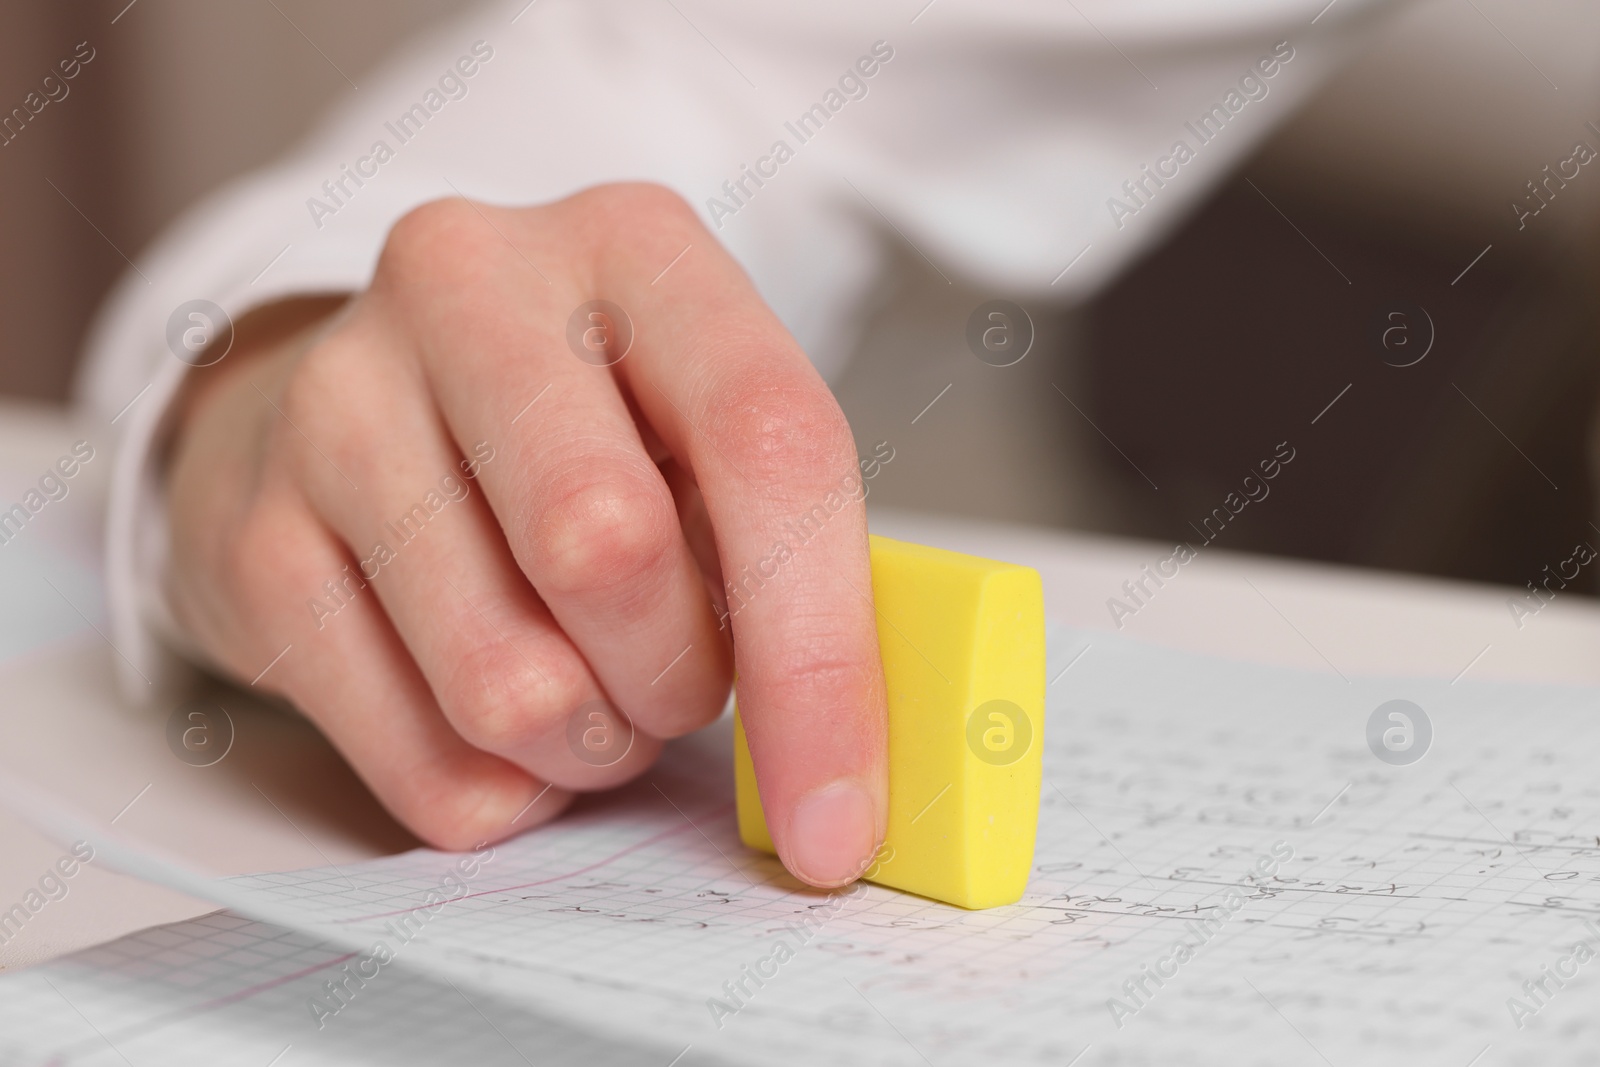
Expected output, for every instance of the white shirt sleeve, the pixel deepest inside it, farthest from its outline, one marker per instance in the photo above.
(1014, 143)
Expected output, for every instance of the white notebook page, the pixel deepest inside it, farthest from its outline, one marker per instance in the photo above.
(1417, 902)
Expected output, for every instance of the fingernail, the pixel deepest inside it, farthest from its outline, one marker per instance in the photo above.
(832, 833)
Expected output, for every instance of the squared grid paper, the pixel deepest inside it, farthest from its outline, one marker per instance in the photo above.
(138, 1001)
(1417, 901)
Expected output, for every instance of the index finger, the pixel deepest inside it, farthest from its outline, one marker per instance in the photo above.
(736, 400)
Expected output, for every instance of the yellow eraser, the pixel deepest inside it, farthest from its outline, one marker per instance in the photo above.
(962, 640)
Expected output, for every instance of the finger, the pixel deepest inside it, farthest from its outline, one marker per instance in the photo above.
(586, 513)
(358, 683)
(696, 525)
(740, 405)
(426, 544)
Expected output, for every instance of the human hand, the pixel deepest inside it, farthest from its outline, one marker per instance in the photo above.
(554, 532)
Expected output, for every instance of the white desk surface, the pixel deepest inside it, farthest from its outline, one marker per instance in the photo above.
(282, 799)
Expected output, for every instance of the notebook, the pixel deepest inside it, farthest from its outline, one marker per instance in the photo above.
(1232, 868)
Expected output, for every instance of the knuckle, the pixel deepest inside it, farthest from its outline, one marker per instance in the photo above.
(248, 588)
(780, 428)
(499, 701)
(315, 386)
(440, 829)
(425, 225)
(630, 204)
(456, 811)
(823, 675)
(254, 555)
(602, 534)
(819, 667)
(427, 235)
(314, 395)
(692, 714)
(242, 554)
(321, 419)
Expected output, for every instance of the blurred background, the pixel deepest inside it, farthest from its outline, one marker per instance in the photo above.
(1137, 414)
